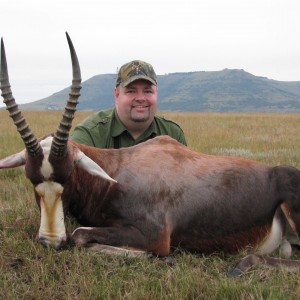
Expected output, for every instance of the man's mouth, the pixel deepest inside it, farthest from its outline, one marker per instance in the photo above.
(140, 106)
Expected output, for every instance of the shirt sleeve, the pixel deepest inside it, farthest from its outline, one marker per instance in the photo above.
(181, 138)
(172, 129)
(82, 136)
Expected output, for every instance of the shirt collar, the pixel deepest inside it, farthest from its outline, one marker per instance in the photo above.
(118, 128)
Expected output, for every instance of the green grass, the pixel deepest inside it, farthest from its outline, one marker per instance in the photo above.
(30, 271)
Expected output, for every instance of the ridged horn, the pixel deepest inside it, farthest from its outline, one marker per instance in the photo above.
(31, 143)
(59, 144)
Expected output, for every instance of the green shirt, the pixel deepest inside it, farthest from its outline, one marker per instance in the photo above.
(104, 129)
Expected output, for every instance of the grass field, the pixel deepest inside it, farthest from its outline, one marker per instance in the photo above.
(30, 271)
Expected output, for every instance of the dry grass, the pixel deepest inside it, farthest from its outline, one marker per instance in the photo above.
(30, 271)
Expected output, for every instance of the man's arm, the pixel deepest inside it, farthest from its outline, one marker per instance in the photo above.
(181, 138)
(82, 136)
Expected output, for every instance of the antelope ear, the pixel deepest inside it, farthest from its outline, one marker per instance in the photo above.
(87, 164)
(14, 160)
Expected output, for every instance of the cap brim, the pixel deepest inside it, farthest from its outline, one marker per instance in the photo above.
(137, 77)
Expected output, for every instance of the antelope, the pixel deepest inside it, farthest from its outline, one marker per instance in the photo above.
(155, 196)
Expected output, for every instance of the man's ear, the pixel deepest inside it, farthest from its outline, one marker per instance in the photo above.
(116, 92)
(116, 95)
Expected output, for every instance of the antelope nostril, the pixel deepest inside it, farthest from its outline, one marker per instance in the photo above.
(56, 245)
(43, 241)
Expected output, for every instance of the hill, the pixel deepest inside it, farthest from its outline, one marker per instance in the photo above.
(226, 90)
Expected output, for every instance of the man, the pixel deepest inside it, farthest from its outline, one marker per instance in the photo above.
(133, 119)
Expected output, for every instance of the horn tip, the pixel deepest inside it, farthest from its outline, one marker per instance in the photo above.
(68, 37)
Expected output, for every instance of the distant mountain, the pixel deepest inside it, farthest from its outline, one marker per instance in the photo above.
(223, 91)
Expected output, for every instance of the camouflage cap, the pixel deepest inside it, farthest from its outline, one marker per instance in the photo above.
(135, 70)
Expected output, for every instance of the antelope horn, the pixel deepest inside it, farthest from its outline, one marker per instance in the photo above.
(59, 144)
(31, 143)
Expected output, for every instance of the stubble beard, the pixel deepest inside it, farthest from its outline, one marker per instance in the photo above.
(140, 117)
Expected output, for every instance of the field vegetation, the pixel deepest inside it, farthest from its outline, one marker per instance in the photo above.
(30, 271)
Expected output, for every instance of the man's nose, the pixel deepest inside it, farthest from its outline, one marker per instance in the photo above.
(141, 96)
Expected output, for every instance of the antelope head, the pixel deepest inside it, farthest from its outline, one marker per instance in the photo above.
(48, 162)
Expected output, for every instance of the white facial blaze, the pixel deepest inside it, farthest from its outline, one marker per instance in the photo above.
(52, 228)
(46, 168)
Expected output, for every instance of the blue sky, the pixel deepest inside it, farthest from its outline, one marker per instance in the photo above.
(259, 36)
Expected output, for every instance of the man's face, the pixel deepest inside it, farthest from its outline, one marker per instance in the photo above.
(137, 102)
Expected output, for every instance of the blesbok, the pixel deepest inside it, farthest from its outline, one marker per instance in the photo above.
(153, 196)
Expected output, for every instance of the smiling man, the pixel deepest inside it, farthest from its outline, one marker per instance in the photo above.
(134, 119)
